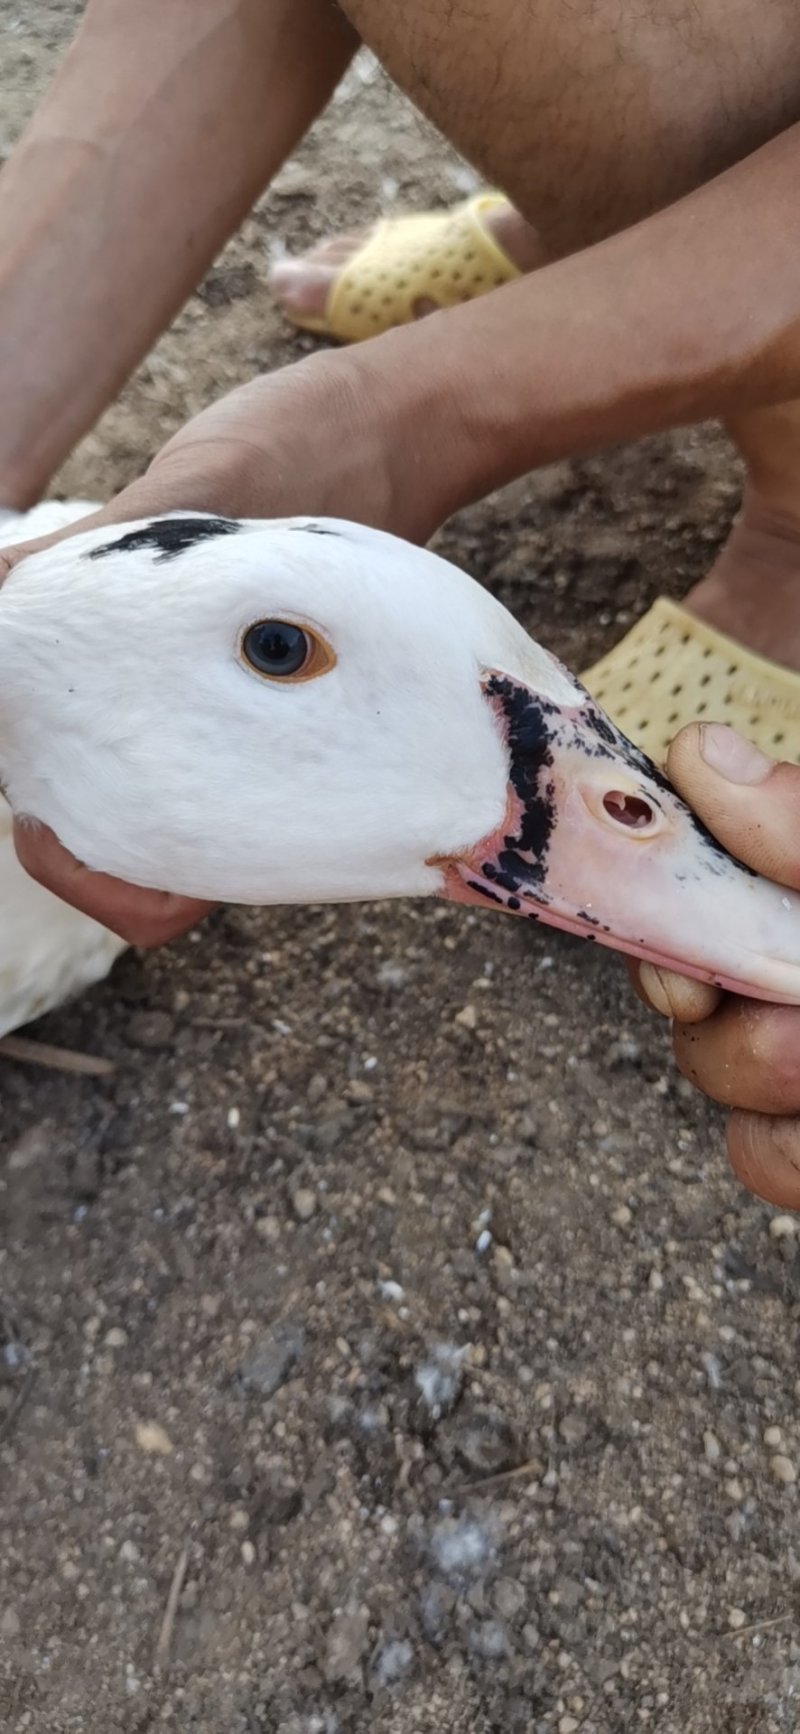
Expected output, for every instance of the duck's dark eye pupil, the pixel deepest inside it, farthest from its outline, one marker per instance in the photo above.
(276, 647)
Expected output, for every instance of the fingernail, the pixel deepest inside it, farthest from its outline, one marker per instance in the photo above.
(732, 757)
(653, 985)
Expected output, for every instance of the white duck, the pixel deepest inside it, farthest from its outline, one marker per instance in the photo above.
(47, 950)
(304, 712)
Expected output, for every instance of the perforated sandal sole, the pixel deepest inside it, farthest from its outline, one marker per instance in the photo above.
(672, 669)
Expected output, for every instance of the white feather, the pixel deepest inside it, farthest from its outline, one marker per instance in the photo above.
(47, 950)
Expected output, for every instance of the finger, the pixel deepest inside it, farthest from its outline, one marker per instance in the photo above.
(146, 918)
(747, 800)
(674, 996)
(746, 1056)
(764, 1154)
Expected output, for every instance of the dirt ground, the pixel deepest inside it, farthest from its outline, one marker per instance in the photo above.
(393, 1302)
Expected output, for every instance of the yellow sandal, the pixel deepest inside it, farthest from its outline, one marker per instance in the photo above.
(672, 669)
(442, 256)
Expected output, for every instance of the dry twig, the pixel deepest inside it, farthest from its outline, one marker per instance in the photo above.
(164, 1644)
(55, 1059)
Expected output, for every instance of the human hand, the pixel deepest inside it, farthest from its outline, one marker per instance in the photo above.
(741, 1052)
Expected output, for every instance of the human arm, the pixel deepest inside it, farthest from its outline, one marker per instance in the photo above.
(161, 127)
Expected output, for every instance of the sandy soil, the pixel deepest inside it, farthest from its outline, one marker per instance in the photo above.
(394, 1293)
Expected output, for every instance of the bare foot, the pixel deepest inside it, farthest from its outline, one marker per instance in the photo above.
(753, 590)
(302, 286)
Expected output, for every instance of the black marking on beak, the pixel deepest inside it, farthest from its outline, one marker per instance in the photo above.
(528, 733)
(483, 891)
(169, 537)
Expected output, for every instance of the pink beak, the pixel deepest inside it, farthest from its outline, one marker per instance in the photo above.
(595, 840)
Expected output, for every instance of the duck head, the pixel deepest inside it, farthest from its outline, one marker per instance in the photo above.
(301, 711)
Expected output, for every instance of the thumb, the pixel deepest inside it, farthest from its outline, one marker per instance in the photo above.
(749, 802)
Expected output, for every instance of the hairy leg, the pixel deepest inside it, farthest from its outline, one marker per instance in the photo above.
(591, 118)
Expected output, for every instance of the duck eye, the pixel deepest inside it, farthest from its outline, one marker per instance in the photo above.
(276, 648)
(281, 650)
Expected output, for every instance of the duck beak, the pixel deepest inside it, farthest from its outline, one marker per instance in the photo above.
(595, 840)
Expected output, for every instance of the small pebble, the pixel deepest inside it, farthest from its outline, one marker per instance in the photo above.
(774, 1437)
(467, 1018)
(348, 1639)
(10, 1623)
(268, 1228)
(358, 1090)
(440, 1378)
(783, 1469)
(304, 1203)
(151, 1029)
(573, 1427)
(489, 1640)
(392, 975)
(509, 1598)
(622, 1217)
(568, 1725)
(272, 1359)
(152, 1438)
(736, 1618)
(485, 1442)
(460, 1546)
(784, 1227)
(115, 1338)
(248, 1553)
(390, 1290)
(393, 1662)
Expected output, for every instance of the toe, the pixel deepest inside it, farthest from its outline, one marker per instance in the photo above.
(302, 288)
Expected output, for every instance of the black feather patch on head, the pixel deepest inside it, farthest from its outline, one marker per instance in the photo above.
(168, 537)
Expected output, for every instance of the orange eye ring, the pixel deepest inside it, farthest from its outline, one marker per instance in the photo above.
(285, 652)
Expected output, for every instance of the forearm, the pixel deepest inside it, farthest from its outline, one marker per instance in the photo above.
(694, 313)
(164, 123)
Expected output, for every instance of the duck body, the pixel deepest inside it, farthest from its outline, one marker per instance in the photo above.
(48, 951)
(309, 711)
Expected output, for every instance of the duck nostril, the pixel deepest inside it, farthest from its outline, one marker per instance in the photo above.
(629, 810)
